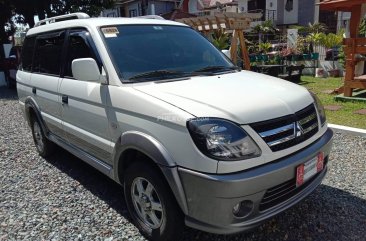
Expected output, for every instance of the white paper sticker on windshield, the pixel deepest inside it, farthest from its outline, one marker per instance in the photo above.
(110, 32)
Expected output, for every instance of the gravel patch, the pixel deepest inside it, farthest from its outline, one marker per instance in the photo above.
(62, 198)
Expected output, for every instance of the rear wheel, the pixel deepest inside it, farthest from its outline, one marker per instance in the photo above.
(44, 146)
(151, 203)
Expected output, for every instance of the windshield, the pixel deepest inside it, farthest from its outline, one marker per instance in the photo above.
(161, 51)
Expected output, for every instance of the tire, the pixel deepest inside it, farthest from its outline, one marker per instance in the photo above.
(44, 146)
(152, 196)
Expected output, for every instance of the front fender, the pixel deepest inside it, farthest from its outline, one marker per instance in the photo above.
(146, 145)
(152, 148)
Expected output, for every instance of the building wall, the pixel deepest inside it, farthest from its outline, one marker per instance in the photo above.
(113, 12)
(280, 13)
(231, 9)
(306, 11)
(192, 6)
(291, 17)
(134, 7)
(243, 6)
(160, 7)
(271, 10)
(271, 4)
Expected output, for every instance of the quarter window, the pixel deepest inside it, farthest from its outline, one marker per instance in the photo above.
(27, 54)
(48, 53)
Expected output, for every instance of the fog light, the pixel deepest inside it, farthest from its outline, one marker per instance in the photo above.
(243, 209)
(236, 209)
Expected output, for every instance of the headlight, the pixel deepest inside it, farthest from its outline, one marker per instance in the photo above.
(221, 139)
(320, 108)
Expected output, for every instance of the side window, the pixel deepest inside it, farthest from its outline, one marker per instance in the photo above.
(48, 53)
(78, 48)
(27, 54)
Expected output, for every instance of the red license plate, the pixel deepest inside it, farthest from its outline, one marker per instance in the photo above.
(308, 169)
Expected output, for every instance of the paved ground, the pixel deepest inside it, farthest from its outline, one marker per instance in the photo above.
(62, 198)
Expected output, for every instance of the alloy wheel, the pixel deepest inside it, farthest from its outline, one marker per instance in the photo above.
(38, 136)
(147, 203)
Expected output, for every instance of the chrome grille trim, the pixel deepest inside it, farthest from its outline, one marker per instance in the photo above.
(277, 130)
(312, 127)
(287, 131)
(283, 140)
(307, 119)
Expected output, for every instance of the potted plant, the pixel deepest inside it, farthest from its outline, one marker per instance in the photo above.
(332, 41)
(301, 48)
(315, 39)
(287, 53)
(220, 39)
(264, 48)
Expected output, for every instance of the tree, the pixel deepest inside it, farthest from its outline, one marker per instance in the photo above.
(48, 8)
(23, 11)
(5, 19)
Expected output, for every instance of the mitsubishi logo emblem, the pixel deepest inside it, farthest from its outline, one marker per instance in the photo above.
(298, 130)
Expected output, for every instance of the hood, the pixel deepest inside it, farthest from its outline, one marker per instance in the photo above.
(243, 97)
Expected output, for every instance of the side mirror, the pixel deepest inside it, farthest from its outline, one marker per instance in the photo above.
(86, 69)
(226, 52)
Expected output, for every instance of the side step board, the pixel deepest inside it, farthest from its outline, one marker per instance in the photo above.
(94, 162)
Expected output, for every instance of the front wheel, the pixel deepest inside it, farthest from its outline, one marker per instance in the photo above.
(151, 203)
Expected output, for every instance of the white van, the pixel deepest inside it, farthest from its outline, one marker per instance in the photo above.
(156, 107)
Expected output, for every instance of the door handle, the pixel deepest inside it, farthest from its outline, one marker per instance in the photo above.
(34, 90)
(65, 99)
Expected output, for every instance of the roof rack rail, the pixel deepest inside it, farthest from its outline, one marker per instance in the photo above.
(62, 18)
(151, 17)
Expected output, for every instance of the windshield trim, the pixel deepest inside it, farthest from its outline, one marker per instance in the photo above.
(116, 68)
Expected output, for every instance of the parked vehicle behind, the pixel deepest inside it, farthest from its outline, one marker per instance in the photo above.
(11, 66)
(156, 107)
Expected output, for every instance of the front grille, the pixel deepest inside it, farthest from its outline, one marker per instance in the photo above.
(287, 131)
(284, 191)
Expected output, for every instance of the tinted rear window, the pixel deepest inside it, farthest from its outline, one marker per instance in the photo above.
(27, 53)
(48, 53)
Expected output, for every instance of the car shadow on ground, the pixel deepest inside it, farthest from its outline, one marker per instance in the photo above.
(316, 218)
(303, 82)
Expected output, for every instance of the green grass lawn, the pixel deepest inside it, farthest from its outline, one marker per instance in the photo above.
(345, 116)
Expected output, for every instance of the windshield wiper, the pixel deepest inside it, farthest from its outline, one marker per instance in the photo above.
(215, 68)
(157, 74)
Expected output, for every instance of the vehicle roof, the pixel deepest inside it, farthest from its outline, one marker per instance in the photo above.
(97, 22)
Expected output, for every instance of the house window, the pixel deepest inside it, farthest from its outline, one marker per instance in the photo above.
(252, 5)
(132, 13)
(122, 11)
(289, 5)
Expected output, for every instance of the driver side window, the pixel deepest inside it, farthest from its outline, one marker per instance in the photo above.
(78, 47)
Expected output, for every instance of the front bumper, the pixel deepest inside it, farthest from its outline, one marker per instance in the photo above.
(211, 198)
